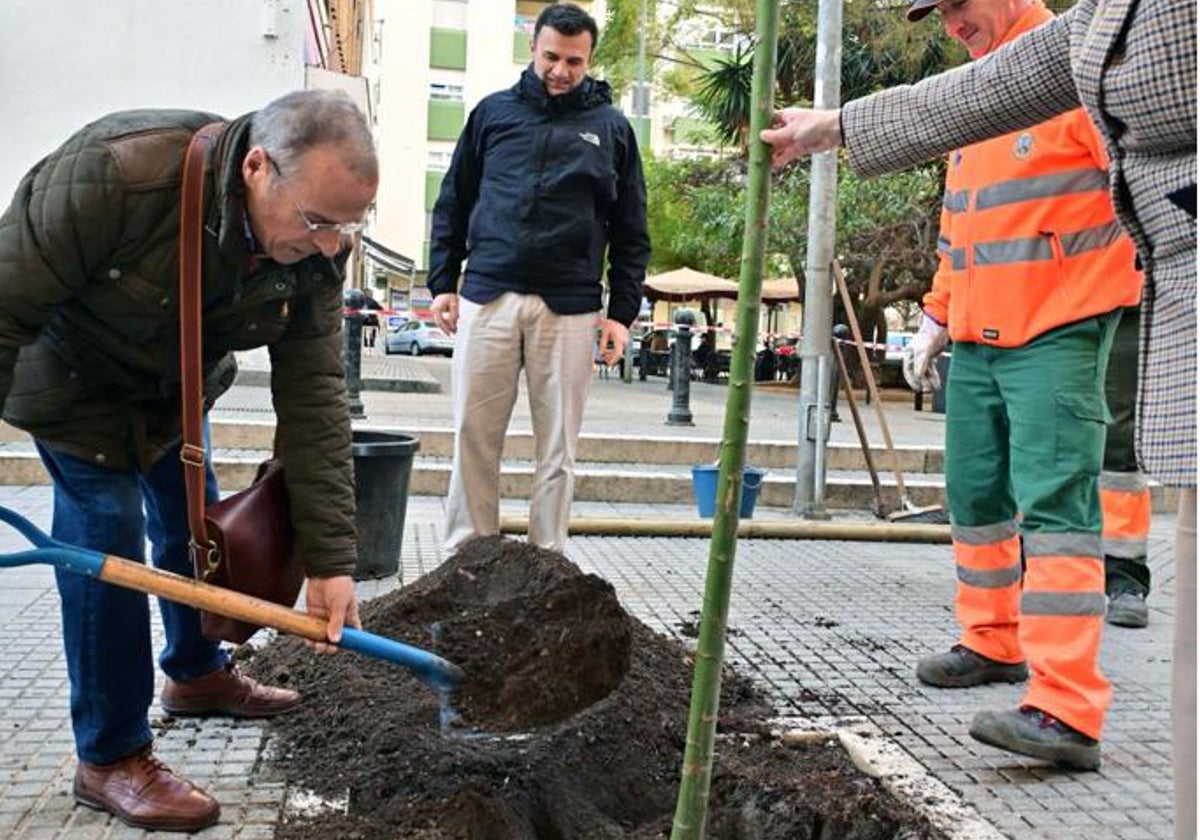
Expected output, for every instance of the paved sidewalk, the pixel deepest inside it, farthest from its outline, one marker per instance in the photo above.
(829, 628)
(636, 408)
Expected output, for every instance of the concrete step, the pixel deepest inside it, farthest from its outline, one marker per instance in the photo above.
(630, 482)
(594, 482)
(599, 449)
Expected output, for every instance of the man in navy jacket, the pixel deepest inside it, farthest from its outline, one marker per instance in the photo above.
(545, 177)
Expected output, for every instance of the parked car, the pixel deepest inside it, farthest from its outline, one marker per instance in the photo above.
(897, 343)
(890, 371)
(416, 337)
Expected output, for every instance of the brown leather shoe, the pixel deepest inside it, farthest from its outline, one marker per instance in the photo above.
(227, 692)
(142, 792)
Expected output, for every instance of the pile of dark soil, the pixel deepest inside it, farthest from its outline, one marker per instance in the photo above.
(570, 724)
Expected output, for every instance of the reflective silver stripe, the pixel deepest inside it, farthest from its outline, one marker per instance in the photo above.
(1090, 239)
(958, 259)
(1038, 248)
(991, 578)
(1125, 548)
(956, 202)
(1125, 482)
(1013, 250)
(1063, 603)
(943, 245)
(984, 534)
(1055, 545)
(1041, 186)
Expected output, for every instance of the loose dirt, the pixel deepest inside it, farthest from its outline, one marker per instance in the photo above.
(570, 724)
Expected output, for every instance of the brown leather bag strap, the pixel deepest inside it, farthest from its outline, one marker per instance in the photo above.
(191, 238)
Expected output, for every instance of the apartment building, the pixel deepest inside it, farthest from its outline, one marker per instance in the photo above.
(437, 60)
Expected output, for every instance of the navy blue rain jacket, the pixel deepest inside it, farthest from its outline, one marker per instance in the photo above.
(538, 186)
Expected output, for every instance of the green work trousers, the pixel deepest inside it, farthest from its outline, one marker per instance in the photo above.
(1025, 430)
(1123, 574)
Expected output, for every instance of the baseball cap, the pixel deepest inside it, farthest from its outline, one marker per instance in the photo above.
(920, 8)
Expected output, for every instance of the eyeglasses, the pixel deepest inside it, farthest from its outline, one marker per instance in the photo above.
(314, 228)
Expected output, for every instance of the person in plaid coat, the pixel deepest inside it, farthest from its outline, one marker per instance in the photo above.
(1132, 66)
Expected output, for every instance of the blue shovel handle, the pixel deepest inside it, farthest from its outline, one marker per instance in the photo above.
(427, 667)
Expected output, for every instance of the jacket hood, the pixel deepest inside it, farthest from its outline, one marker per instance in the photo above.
(591, 93)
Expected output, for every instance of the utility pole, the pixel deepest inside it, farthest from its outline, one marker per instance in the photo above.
(815, 361)
(641, 97)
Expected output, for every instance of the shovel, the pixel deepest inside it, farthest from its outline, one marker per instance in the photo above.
(909, 512)
(881, 510)
(427, 667)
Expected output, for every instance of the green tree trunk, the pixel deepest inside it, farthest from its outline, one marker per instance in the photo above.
(691, 810)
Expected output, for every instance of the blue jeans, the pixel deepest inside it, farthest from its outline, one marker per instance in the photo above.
(106, 629)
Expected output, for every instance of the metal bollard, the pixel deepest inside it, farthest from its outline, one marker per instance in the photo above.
(681, 370)
(627, 363)
(840, 333)
(352, 330)
(817, 511)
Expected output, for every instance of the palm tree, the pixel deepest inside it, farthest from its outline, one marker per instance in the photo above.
(880, 48)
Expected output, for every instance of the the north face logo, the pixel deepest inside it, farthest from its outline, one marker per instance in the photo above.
(588, 137)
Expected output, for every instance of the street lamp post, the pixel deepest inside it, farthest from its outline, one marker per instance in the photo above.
(352, 331)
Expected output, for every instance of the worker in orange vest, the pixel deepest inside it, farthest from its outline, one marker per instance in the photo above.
(1034, 271)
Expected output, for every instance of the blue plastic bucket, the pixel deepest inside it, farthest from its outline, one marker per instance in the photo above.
(704, 488)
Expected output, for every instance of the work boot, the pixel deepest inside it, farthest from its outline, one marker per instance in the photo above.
(227, 692)
(1127, 609)
(961, 667)
(1032, 732)
(141, 791)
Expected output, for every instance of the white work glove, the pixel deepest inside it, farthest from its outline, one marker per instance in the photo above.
(919, 370)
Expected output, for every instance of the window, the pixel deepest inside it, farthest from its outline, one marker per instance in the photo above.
(448, 48)
(433, 187)
(446, 92)
(445, 119)
(522, 33)
(438, 160)
(713, 39)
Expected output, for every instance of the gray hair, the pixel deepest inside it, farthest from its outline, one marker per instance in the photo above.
(305, 119)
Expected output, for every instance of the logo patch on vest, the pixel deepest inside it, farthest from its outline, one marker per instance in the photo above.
(991, 335)
(1023, 146)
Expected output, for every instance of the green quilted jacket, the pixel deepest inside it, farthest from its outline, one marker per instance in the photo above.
(89, 315)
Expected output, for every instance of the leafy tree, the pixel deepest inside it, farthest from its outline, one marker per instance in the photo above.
(887, 232)
(616, 53)
(880, 48)
(722, 95)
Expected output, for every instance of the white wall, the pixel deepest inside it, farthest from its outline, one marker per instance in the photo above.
(67, 62)
(404, 77)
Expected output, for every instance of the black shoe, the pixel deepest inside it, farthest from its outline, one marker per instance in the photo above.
(961, 667)
(1127, 609)
(1032, 732)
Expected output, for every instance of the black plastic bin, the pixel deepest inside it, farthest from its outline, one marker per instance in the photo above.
(382, 468)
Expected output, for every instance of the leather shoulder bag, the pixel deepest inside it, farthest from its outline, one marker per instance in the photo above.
(244, 542)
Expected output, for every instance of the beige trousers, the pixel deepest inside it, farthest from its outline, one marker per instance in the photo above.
(1183, 669)
(495, 342)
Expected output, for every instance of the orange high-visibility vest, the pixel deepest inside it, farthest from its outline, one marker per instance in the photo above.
(1029, 240)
